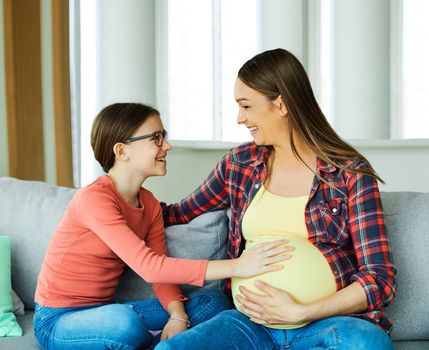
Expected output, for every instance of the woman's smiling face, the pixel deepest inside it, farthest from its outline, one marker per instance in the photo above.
(264, 118)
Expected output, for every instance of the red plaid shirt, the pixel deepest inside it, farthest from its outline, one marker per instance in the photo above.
(344, 221)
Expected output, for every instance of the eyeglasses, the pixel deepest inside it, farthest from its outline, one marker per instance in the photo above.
(157, 136)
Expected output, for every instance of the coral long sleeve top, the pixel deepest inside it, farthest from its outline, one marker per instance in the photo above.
(99, 234)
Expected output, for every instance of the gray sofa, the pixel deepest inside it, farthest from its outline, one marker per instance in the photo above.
(30, 210)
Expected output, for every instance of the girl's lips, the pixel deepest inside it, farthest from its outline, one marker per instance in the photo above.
(162, 159)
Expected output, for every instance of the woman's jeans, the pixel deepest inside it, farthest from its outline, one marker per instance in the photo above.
(233, 330)
(117, 326)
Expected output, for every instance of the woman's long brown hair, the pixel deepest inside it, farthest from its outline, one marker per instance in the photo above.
(278, 72)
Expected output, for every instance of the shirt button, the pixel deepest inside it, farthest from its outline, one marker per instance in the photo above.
(257, 185)
(334, 210)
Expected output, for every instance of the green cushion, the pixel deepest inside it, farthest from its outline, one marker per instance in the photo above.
(9, 327)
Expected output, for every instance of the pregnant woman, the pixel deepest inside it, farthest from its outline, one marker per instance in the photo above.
(300, 181)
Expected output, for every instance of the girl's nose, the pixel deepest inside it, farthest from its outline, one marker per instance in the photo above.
(166, 145)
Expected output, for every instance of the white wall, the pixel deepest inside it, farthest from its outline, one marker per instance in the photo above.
(402, 164)
(277, 31)
(361, 84)
(126, 59)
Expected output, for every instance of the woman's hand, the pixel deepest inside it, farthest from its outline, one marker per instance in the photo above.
(260, 258)
(172, 328)
(275, 306)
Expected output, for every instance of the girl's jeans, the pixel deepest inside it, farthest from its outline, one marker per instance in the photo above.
(117, 326)
(233, 330)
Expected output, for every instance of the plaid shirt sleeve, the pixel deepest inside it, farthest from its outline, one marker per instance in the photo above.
(376, 272)
(212, 194)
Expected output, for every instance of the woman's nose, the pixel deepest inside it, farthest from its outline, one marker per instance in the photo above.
(241, 117)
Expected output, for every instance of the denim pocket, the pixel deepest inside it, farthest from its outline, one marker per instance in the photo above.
(334, 217)
(44, 312)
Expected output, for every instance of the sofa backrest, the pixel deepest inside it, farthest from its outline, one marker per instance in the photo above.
(407, 221)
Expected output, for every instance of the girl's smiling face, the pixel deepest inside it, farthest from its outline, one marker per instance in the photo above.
(145, 155)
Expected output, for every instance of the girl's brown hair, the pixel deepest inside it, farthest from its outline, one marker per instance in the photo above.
(116, 123)
(279, 72)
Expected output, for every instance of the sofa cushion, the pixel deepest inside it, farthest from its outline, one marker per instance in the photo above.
(30, 211)
(407, 220)
(203, 238)
(412, 345)
(9, 327)
(18, 305)
(27, 341)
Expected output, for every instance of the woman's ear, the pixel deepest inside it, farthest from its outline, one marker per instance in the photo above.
(119, 150)
(283, 108)
(281, 105)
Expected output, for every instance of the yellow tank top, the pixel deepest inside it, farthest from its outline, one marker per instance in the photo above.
(307, 275)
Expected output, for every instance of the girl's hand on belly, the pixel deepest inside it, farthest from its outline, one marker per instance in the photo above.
(260, 258)
(274, 307)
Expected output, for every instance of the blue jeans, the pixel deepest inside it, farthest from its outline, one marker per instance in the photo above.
(117, 326)
(233, 330)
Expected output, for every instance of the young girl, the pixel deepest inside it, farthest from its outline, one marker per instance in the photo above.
(115, 222)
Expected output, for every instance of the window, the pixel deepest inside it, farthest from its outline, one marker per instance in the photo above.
(206, 43)
(415, 70)
(194, 48)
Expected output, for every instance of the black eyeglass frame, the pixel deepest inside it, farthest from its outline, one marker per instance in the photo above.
(153, 137)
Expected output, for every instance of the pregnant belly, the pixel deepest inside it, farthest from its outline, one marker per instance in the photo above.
(306, 276)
